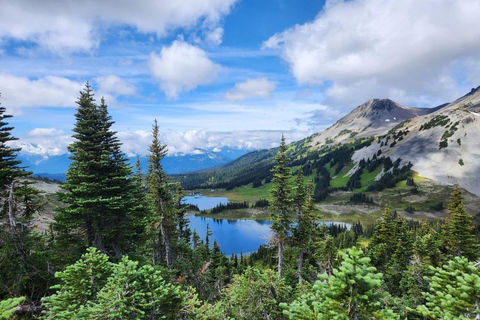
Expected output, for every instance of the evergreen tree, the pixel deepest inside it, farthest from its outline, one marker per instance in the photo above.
(23, 266)
(400, 258)
(327, 252)
(458, 229)
(10, 169)
(103, 209)
(426, 253)
(9, 306)
(281, 204)
(307, 218)
(161, 199)
(255, 294)
(353, 292)
(454, 292)
(383, 242)
(94, 288)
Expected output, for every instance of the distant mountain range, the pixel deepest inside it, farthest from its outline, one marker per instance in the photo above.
(55, 167)
(442, 143)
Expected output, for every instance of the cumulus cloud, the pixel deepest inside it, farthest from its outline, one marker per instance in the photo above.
(378, 48)
(50, 91)
(181, 67)
(65, 26)
(115, 85)
(44, 141)
(137, 142)
(251, 88)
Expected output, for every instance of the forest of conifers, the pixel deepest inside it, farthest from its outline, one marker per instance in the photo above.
(120, 248)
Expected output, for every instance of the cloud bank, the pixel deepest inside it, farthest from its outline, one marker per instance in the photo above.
(137, 142)
(404, 50)
(21, 92)
(66, 26)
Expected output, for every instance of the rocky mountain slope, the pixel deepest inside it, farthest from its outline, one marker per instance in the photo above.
(442, 143)
(374, 117)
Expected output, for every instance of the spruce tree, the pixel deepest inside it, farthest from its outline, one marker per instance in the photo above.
(454, 292)
(102, 209)
(352, 292)
(161, 199)
(23, 269)
(307, 219)
(458, 229)
(94, 288)
(281, 204)
(383, 242)
(10, 168)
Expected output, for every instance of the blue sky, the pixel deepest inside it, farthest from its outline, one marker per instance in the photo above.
(227, 73)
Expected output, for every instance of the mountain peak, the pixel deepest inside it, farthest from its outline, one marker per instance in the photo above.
(382, 104)
(380, 112)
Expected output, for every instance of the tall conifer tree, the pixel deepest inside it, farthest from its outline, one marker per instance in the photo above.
(458, 229)
(22, 266)
(103, 210)
(307, 219)
(161, 199)
(281, 204)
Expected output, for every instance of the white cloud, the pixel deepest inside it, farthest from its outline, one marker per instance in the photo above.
(137, 142)
(376, 48)
(214, 37)
(115, 85)
(50, 91)
(65, 26)
(251, 88)
(181, 67)
(44, 141)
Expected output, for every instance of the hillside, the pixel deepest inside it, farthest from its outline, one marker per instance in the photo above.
(378, 145)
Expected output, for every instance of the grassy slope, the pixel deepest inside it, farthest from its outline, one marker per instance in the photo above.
(336, 206)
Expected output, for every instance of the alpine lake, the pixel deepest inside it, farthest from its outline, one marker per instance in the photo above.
(234, 236)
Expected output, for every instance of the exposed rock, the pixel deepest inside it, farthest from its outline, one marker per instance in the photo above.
(442, 143)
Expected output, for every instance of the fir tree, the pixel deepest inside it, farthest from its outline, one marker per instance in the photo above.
(454, 292)
(23, 269)
(103, 209)
(254, 294)
(9, 306)
(281, 204)
(383, 242)
(353, 292)
(161, 198)
(94, 288)
(458, 229)
(307, 219)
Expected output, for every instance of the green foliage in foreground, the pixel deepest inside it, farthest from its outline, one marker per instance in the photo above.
(8, 307)
(454, 292)
(353, 292)
(94, 288)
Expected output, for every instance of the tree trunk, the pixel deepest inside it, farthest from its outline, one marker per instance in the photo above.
(168, 246)
(300, 266)
(11, 217)
(280, 259)
(97, 240)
